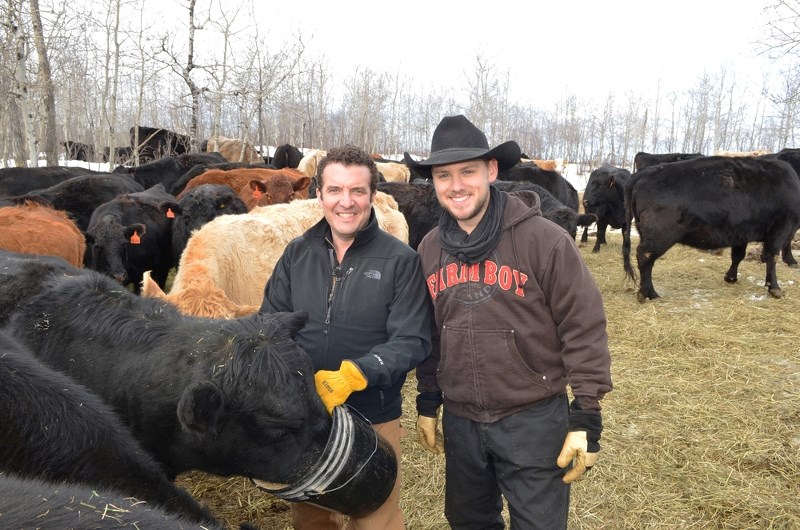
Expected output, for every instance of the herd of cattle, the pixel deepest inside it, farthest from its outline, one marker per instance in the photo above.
(110, 386)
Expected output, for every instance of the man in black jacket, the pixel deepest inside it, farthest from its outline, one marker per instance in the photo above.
(369, 314)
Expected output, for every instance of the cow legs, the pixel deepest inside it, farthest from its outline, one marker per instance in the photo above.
(601, 236)
(768, 256)
(786, 253)
(737, 255)
(585, 236)
(646, 259)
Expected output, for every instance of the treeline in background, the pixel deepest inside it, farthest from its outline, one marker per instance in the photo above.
(89, 71)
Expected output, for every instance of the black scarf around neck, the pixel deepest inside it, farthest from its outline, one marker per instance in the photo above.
(472, 248)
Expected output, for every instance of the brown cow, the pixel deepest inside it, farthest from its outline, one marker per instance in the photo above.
(234, 150)
(228, 260)
(32, 228)
(256, 186)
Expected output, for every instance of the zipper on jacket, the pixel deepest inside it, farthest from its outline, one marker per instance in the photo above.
(337, 277)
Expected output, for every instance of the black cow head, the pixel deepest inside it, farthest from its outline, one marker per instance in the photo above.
(259, 415)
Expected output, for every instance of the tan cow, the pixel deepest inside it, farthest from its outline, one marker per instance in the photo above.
(227, 262)
(32, 228)
(308, 164)
(256, 186)
(556, 164)
(757, 152)
(394, 171)
(234, 150)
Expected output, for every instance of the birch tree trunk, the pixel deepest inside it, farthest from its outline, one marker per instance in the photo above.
(111, 84)
(46, 85)
(20, 89)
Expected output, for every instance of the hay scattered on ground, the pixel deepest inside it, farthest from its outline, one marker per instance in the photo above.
(702, 430)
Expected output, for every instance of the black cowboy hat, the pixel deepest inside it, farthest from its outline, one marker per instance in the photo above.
(456, 139)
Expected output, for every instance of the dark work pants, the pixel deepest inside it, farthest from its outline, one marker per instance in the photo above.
(515, 457)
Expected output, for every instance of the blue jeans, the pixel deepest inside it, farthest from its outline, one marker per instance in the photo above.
(514, 457)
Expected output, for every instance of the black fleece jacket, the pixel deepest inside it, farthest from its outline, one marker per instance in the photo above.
(373, 309)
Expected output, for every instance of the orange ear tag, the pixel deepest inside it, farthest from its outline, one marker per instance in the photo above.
(257, 193)
(170, 213)
(135, 239)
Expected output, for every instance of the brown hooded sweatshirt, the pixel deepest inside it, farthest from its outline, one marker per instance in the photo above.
(518, 326)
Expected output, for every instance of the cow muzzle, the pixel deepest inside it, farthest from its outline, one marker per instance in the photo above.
(354, 475)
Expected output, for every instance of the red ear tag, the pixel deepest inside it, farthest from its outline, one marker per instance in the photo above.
(170, 213)
(135, 239)
(257, 193)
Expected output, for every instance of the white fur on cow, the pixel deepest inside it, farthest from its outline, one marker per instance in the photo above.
(308, 164)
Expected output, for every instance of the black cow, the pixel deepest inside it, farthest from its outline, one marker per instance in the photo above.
(155, 142)
(710, 203)
(788, 154)
(200, 205)
(78, 151)
(19, 180)
(79, 196)
(604, 197)
(122, 155)
(552, 209)
(23, 270)
(642, 160)
(169, 169)
(418, 203)
(227, 397)
(552, 181)
(199, 169)
(53, 429)
(33, 503)
(131, 234)
(286, 155)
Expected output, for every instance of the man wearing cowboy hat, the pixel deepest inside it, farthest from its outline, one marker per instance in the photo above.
(519, 318)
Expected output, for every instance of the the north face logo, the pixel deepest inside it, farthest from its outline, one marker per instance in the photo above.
(373, 275)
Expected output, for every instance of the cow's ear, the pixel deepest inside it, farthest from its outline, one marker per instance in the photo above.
(168, 206)
(291, 322)
(200, 407)
(256, 184)
(137, 228)
(301, 183)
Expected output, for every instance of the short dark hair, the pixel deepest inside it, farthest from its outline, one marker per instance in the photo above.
(350, 155)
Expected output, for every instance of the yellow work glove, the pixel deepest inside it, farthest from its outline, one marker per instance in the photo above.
(334, 386)
(574, 450)
(430, 437)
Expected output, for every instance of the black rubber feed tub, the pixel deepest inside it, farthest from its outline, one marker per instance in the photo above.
(354, 475)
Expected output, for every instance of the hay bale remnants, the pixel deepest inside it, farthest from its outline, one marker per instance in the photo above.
(702, 430)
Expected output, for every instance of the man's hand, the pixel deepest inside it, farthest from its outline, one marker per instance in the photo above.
(335, 386)
(428, 434)
(574, 450)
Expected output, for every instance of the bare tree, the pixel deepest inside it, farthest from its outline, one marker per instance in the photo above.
(786, 101)
(144, 77)
(46, 86)
(21, 88)
(111, 68)
(186, 69)
(783, 30)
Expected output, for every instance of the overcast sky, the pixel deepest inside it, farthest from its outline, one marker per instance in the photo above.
(582, 47)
